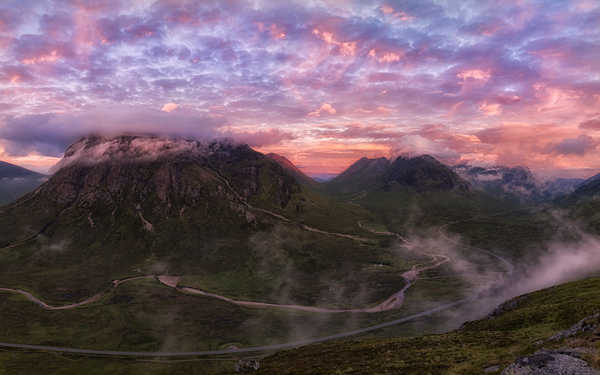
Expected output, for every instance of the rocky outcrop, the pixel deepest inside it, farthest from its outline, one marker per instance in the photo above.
(247, 365)
(507, 306)
(589, 324)
(546, 362)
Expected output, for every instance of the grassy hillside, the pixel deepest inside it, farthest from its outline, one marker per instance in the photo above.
(479, 345)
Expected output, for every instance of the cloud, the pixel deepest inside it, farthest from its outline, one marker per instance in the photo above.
(37, 49)
(416, 144)
(490, 109)
(474, 74)
(325, 107)
(593, 124)
(170, 84)
(49, 134)
(575, 146)
(169, 107)
(15, 74)
(400, 64)
(261, 138)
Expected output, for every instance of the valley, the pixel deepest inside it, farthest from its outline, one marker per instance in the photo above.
(117, 258)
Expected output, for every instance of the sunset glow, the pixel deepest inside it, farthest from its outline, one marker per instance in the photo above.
(322, 82)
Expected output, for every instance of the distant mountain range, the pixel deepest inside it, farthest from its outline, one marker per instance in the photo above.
(16, 181)
(515, 182)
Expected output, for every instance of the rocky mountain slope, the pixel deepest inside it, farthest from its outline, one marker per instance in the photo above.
(16, 181)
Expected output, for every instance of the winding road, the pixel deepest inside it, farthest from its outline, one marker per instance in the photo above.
(254, 349)
(393, 302)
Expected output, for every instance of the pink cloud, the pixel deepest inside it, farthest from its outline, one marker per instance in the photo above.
(169, 107)
(593, 124)
(396, 13)
(276, 31)
(261, 138)
(325, 108)
(490, 109)
(345, 48)
(474, 74)
(386, 56)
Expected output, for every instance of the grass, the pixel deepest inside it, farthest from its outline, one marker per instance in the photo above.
(478, 345)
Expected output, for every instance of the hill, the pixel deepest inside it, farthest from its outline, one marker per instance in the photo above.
(16, 181)
(554, 330)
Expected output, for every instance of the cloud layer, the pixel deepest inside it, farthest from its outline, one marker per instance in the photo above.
(323, 82)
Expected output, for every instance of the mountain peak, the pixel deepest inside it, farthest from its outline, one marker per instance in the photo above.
(423, 173)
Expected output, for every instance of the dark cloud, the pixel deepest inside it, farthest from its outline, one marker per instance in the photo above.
(30, 49)
(170, 84)
(15, 74)
(593, 124)
(49, 134)
(575, 146)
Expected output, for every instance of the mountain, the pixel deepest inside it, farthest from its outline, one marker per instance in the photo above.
(364, 174)
(124, 205)
(423, 173)
(589, 187)
(130, 202)
(561, 187)
(517, 182)
(291, 168)
(16, 181)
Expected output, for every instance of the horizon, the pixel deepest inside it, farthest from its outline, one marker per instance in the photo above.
(322, 83)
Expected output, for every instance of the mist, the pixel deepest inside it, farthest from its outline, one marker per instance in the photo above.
(571, 255)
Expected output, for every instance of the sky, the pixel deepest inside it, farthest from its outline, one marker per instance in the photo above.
(322, 82)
